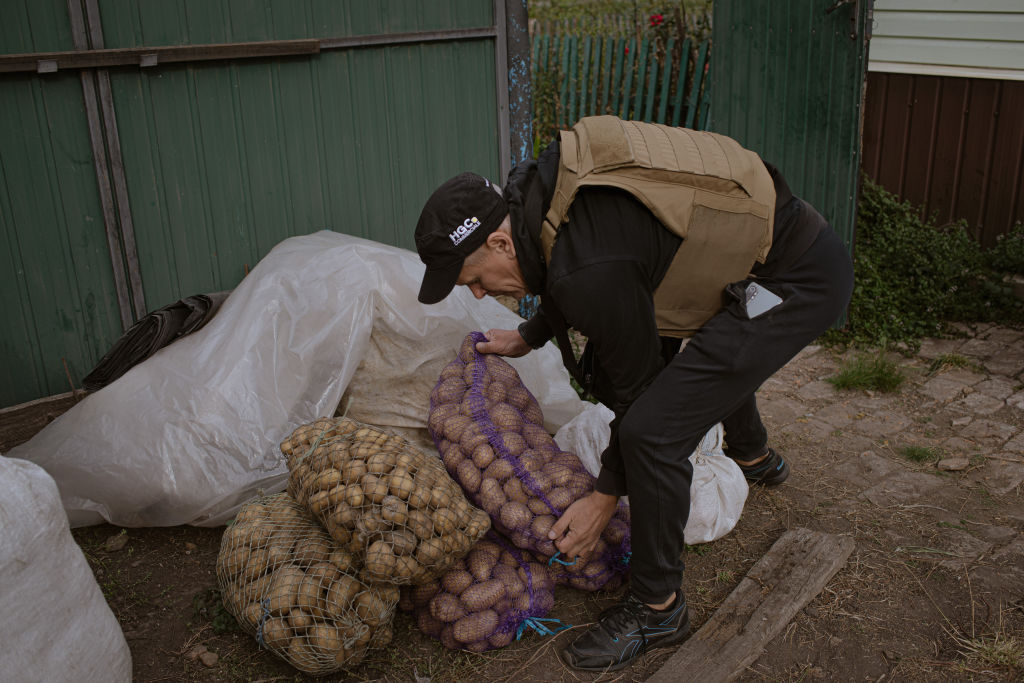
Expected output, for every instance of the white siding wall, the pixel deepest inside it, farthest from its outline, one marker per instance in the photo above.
(972, 38)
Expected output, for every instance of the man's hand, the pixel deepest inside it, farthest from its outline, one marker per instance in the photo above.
(582, 523)
(504, 343)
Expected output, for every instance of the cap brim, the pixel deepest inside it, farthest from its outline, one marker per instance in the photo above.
(439, 282)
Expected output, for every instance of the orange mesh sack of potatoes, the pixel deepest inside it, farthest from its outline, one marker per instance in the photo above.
(485, 600)
(385, 501)
(490, 432)
(290, 585)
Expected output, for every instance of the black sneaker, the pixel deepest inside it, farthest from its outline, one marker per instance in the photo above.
(771, 471)
(625, 631)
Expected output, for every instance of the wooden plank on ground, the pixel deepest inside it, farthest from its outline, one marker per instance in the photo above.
(782, 582)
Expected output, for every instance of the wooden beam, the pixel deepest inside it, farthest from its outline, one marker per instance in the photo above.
(790, 575)
(48, 62)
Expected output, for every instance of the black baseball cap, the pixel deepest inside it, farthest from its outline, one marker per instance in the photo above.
(454, 222)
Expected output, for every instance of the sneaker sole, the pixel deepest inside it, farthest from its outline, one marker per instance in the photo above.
(681, 634)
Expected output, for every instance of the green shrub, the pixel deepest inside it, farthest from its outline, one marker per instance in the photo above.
(913, 278)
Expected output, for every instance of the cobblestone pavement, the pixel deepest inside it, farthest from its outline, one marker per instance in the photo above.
(960, 509)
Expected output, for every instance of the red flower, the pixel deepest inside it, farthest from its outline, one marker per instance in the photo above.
(627, 49)
(657, 19)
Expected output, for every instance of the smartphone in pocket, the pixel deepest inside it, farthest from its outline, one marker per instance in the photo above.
(759, 300)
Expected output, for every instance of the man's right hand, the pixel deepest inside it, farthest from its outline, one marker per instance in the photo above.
(504, 343)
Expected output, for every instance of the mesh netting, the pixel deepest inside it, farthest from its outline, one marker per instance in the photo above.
(485, 599)
(489, 430)
(383, 500)
(290, 585)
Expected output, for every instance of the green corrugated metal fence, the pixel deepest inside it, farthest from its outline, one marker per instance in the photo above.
(205, 165)
(788, 84)
(649, 80)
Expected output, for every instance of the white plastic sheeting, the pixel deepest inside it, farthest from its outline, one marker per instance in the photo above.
(191, 433)
(57, 625)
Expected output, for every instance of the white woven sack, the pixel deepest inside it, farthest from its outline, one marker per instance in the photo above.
(57, 626)
(717, 492)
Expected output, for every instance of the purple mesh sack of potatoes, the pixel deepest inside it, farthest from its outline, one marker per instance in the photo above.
(485, 600)
(490, 433)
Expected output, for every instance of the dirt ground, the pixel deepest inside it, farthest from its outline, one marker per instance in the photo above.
(933, 591)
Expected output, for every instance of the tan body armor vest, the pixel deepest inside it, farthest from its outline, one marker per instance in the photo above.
(702, 186)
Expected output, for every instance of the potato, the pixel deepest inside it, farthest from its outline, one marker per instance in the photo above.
(257, 564)
(482, 595)
(541, 525)
(380, 560)
(344, 516)
(515, 515)
(381, 462)
(468, 475)
(456, 580)
(394, 510)
(419, 497)
(371, 608)
(403, 541)
(480, 564)
(327, 479)
(472, 438)
(324, 638)
(381, 637)
(430, 551)
(312, 549)
(341, 594)
(231, 563)
(513, 443)
(509, 577)
(352, 471)
(374, 488)
(537, 506)
(560, 498)
(500, 639)
(616, 531)
(455, 425)
(325, 572)
(499, 470)
(444, 521)
(515, 491)
(490, 496)
(407, 568)
(475, 627)
(309, 596)
(275, 633)
(482, 455)
(401, 483)
(505, 416)
(283, 588)
(302, 654)
(420, 524)
(446, 607)
(442, 496)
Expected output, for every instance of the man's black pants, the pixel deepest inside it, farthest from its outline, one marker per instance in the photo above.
(713, 379)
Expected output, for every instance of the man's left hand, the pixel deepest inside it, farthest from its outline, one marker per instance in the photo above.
(582, 524)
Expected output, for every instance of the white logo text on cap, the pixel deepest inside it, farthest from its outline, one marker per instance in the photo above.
(464, 230)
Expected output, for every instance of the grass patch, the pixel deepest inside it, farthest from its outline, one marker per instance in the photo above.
(920, 454)
(873, 373)
(949, 361)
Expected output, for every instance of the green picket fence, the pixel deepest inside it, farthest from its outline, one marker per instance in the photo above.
(646, 79)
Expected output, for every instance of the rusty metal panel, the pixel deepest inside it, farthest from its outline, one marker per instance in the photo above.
(953, 146)
(786, 81)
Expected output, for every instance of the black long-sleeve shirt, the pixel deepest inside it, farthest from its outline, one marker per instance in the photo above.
(609, 258)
